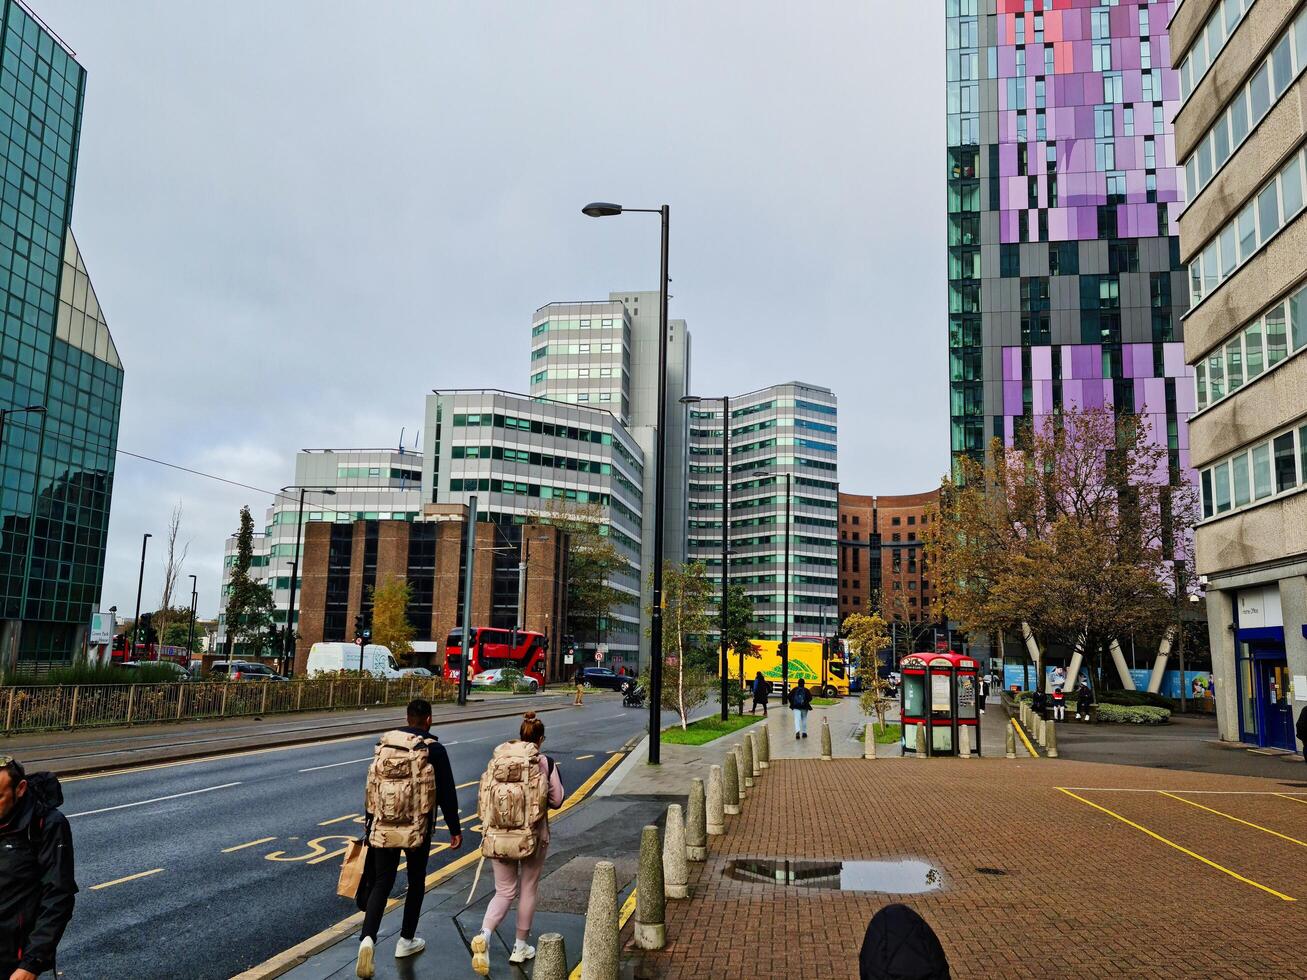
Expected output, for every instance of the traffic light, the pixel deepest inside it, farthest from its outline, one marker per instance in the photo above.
(783, 650)
(149, 635)
(358, 626)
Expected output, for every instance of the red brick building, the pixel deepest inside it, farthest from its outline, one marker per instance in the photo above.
(882, 556)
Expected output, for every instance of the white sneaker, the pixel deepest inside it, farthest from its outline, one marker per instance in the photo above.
(521, 953)
(407, 947)
(363, 965)
(480, 955)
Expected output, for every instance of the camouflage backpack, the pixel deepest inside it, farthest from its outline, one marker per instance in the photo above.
(401, 790)
(511, 801)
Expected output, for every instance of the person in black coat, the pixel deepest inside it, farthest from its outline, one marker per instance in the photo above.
(1084, 701)
(37, 887)
(1302, 731)
(760, 691)
(900, 945)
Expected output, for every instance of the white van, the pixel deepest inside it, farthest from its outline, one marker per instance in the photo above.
(327, 658)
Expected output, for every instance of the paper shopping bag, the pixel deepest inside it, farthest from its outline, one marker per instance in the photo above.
(351, 871)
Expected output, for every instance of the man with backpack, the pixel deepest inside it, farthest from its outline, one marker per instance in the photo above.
(409, 778)
(36, 871)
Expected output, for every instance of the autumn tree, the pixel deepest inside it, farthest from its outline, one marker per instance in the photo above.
(867, 636)
(910, 623)
(391, 627)
(687, 596)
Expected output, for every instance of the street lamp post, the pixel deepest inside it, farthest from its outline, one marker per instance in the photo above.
(288, 638)
(140, 582)
(605, 210)
(726, 520)
(190, 631)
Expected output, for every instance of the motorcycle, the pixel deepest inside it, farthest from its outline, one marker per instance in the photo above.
(633, 695)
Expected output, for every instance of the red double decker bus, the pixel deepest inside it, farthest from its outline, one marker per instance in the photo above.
(490, 649)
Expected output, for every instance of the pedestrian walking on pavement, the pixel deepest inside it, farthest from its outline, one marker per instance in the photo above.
(760, 691)
(410, 777)
(1059, 704)
(1302, 731)
(517, 791)
(37, 888)
(579, 680)
(801, 704)
(1084, 701)
(900, 945)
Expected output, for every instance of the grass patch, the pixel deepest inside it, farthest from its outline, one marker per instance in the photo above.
(886, 734)
(824, 702)
(706, 729)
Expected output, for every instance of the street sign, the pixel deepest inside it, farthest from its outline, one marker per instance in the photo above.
(102, 627)
(359, 640)
(599, 656)
(567, 658)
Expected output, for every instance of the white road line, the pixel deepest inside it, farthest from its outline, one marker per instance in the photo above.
(347, 762)
(157, 799)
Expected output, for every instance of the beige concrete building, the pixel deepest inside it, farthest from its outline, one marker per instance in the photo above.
(1239, 135)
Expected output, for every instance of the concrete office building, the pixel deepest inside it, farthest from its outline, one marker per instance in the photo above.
(606, 352)
(367, 485)
(1240, 138)
(56, 353)
(787, 429)
(1065, 286)
(524, 456)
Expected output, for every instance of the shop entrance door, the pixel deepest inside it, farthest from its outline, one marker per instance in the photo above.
(1273, 704)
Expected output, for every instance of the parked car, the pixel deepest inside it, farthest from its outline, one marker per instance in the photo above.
(604, 677)
(415, 672)
(489, 678)
(328, 658)
(182, 674)
(243, 670)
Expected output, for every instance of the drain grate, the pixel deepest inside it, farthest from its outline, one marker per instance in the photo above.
(991, 871)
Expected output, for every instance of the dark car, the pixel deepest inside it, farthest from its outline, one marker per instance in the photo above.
(604, 677)
(242, 670)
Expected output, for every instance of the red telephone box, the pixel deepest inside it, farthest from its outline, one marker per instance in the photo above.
(940, 693)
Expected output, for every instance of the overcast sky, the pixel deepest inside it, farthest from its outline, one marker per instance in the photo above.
(299, 217)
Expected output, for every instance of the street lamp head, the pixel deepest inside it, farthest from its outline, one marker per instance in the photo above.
(148, 534)
(35, 408)
(329, 493)
(690, 400)
(601, 209)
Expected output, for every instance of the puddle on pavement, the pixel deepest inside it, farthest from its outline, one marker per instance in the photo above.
(905, 876)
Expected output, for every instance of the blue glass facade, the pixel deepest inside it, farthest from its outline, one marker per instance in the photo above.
(56, 468)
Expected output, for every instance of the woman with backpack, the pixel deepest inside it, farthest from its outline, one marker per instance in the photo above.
(520, 779)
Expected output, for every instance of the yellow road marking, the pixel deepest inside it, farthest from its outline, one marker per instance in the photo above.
(1246, 823)
(278, 964)
(1182, 850)
(119, 881)
(1029, 748)
(623, 917)
(241, 847)
(582, 758)
(1286, 796)
(318, 852)
(348, 816)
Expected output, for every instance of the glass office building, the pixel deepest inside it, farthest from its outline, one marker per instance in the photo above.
(1065, 287)
(56, 353)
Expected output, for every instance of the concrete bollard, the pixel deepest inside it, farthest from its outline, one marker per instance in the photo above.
(751, 743)
(1041, 729)
(921, 741)
(764, 746)
(964, 741)
(696, 824)
(1024, 715)
(1050, 739)
(730, 786)
(601, 946)
(825, 739)
(1010, 749)
(676, 873)
(869, 740)
(650, 897)
(740, 787)
(551, 958)
(715, 818)
(746, 761)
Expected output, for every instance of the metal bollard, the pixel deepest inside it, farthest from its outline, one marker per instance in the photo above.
(964, 741)
(1011, 746)
(696, 824)
(730, 786)
(676, 873)
(764, 746)
(1050, 739)
(825, 739)
(746, 762)
(715, 819)
(551, 958)
(601, 947)
(751, 744)
(650, 897)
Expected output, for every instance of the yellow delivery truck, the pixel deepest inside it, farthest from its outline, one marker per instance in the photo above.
(830, 678)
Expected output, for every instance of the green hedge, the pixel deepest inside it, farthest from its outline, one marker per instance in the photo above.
(1136, 699)
(1133, 714)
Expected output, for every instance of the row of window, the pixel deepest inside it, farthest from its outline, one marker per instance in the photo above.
(1246, 109)
(544, 492)
(536, 426)
(1268, 469)
(356, 472)
(1259, 347)
(569, 324)
(1209, 42)
(1276, 203)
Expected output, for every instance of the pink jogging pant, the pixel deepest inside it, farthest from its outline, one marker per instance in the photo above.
(508, 875)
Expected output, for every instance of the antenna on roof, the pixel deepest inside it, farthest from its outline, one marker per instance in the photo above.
(401, 440)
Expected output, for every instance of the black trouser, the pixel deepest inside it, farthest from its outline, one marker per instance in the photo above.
(756, 704)
(386, 865)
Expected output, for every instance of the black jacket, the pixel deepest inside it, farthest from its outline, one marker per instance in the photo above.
(446, 792)
(900, 945)
(36, 885)
(801, 698)
(1302, 726)
(761, 689)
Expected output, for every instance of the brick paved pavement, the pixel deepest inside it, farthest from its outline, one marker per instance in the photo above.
(1084, 894)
